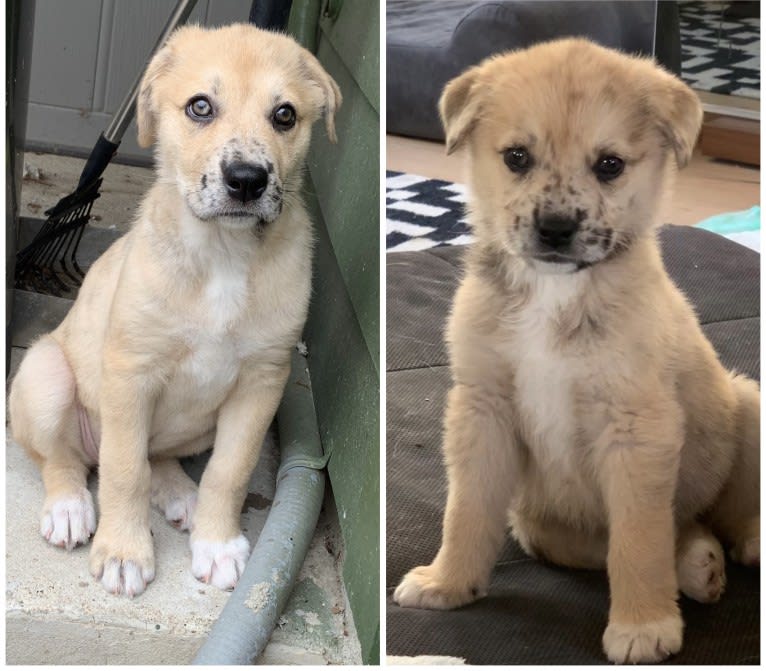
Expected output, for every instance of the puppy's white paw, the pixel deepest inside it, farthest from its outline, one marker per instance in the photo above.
(126, 577)
(220, 564)
(747, 551)
(70, 521)
(701, 570)
(647, 642)
(422, 587)
(123, 562)
(180, 511)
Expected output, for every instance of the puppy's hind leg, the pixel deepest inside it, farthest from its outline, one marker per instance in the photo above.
(44, 420)
(736, 515)
(174, 492)
(700, 564)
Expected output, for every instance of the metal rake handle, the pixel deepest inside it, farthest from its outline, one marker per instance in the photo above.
(124, 113)
(108, 142)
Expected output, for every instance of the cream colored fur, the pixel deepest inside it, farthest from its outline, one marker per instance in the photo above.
(182, 331)
(586, 397)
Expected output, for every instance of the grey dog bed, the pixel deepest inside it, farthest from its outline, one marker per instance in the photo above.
(537, 613)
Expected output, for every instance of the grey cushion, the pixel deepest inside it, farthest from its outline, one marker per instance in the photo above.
(537, 613)
(428, 42)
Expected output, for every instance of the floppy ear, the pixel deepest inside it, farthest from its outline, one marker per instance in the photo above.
(679, 114)
(146, 104)
(459, 108)
(332, 95)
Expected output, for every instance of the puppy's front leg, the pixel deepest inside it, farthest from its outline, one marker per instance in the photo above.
(219, 549)
(478, 453)
(639, 472)
(122, 555)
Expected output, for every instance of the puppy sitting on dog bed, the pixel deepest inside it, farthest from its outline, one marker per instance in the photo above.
(586, 399)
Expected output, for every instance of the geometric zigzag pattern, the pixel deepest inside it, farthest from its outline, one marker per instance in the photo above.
(719, 54)
(423, 213)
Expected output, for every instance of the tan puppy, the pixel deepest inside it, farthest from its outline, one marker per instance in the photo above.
(586, 397)
(182, 331)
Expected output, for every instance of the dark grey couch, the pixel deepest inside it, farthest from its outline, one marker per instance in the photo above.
(428, 42)
(537, 613)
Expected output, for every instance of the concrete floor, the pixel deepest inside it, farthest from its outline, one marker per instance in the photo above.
(48, 178)
(56, 613)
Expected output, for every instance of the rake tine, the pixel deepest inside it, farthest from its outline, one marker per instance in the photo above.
(32, 254)
(62, 259)
(73, 258)
(38, 259)
(51, 250)
(41, 281)
(58, 241)
(49, 273)
(73, 281)
(72, 247)
(47, 263)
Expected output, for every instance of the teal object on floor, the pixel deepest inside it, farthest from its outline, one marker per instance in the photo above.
(734, 222)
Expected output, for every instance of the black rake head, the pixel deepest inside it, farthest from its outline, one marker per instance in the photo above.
(48, 264)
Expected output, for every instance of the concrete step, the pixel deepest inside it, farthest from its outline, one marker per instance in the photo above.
(56, 613)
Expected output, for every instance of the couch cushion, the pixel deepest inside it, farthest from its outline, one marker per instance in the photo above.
(428, 42)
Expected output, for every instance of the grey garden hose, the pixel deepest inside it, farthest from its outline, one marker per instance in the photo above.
(244, 627)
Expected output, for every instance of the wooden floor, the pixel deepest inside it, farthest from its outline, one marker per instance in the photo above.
(704, 188)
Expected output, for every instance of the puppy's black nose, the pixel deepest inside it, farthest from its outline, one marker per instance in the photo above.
(555, 231)
(245, 181)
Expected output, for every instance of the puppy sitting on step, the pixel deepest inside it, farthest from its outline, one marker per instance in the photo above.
(586, 398)
(182, 331)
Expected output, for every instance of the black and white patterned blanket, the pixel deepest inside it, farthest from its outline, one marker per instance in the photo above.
(423, 213)
(720, 54)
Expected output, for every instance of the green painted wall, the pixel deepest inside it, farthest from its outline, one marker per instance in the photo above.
(343, 330)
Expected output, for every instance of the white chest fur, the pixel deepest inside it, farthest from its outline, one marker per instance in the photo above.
(225, 296)
(559, 480)
(226, 261)
(217, 330)
(544, 375)
(211, 366)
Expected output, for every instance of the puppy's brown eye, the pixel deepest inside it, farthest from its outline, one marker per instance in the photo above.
(518, 159)
(608, 168)
(283, 117)
(199, 109)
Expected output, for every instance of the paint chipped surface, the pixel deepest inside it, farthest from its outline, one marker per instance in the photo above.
(310, 618)
(317, 613)
(258, 598)
(277, 577)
